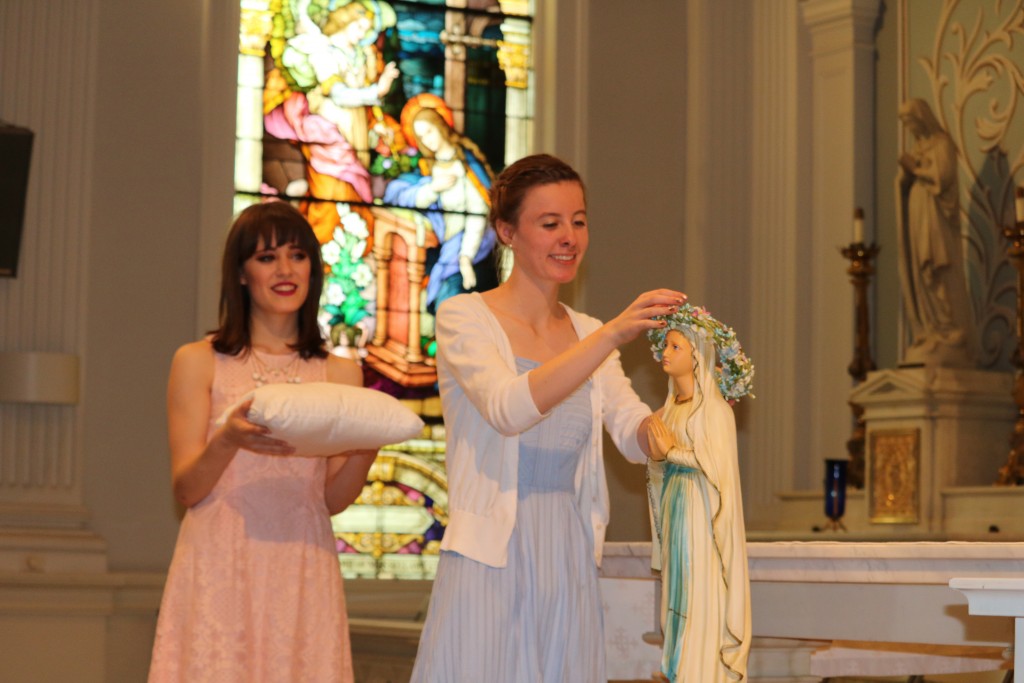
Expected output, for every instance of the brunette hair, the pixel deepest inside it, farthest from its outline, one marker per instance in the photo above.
(516, 180)
(272, 224)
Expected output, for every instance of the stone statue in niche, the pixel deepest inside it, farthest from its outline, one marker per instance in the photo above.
(935, 301)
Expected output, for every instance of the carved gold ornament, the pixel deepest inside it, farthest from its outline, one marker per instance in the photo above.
(894, 476)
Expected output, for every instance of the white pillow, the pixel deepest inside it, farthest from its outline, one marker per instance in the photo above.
(324, 418)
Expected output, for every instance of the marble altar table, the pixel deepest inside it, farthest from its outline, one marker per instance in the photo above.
(856, 606)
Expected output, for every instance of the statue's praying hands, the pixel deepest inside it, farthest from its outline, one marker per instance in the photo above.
(659, 438)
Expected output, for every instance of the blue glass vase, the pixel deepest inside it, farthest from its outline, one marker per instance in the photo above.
(835, 492)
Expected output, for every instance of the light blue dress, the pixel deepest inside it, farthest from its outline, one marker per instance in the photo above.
(539, 618)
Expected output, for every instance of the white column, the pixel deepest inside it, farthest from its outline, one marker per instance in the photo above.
(842, 166)
(778, 226)
(738, 213)
(42, 309)
(717, 174)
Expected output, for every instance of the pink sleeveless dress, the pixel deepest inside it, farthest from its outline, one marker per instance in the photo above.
(254, 592)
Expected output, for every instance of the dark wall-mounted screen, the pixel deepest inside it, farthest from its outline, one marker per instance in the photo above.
(15, 154)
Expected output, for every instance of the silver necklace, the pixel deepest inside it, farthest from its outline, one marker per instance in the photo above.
(267, 374)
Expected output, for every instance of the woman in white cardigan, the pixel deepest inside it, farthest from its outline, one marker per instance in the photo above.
(526, 383)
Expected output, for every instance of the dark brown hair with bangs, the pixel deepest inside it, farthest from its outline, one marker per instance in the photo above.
(272, 224)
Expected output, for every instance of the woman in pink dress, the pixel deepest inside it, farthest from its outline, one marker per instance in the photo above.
(254, 592)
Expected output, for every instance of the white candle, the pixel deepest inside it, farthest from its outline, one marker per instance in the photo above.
(858, 226)
(1020, 204)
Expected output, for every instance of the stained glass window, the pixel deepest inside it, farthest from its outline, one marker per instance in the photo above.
(385, 122)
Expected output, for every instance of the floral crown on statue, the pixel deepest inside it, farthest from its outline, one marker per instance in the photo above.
(734, 372)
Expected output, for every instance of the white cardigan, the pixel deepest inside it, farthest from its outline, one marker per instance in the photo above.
(487, 405)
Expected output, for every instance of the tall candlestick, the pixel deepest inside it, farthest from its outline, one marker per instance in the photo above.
(1020, 204)
(858, 225)
(861, 269)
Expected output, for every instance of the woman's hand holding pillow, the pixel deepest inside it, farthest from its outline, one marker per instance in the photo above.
(242, 433)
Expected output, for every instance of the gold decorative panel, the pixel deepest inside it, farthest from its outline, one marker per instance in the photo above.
(894, 476)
